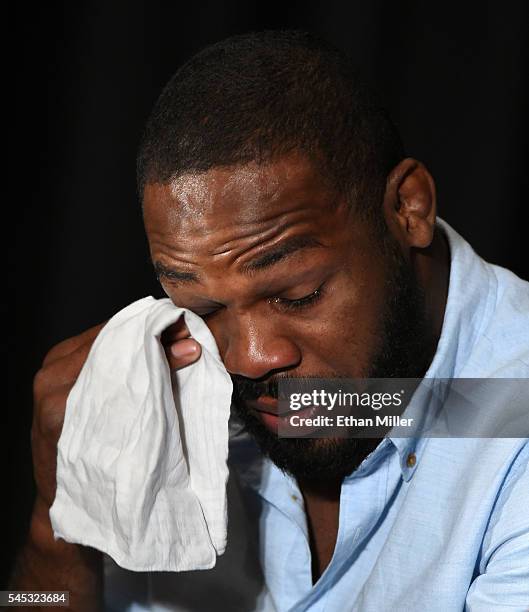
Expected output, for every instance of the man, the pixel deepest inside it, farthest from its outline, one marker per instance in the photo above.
(280, 207)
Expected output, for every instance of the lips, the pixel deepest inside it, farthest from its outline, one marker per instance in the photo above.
(266, 404)
(267, 411)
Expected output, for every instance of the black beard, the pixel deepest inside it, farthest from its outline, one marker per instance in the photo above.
(405, 351)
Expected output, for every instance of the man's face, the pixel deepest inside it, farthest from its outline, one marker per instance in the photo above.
(290, 283)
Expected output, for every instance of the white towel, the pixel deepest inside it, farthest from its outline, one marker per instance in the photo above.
(141, 464)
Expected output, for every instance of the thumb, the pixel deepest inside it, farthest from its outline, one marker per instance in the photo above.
(182, 353)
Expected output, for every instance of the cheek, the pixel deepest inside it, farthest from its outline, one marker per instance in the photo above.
(345, 334)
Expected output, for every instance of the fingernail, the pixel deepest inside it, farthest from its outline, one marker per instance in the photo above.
(184, 348)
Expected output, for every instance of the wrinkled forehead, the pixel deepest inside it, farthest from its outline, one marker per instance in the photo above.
(250, 194)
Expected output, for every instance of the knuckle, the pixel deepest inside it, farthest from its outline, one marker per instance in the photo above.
(72, 344)
(40, 383)
(49, 416)
(56, 351)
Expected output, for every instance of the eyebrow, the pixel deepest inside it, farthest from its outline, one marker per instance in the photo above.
(174, 273)
(270, 258)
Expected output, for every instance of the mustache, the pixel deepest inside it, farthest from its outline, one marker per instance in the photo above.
(253, 389)
(248, 389)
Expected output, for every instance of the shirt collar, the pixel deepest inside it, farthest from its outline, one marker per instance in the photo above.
(470, 301)
(469, 304)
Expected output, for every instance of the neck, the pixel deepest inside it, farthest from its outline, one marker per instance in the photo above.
(328, 489)
(322, 507)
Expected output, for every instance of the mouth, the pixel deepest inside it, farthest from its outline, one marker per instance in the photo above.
(267, 410)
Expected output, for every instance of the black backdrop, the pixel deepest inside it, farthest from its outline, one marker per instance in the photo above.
(453, 75)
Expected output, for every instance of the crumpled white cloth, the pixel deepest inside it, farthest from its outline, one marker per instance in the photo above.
(142, 457)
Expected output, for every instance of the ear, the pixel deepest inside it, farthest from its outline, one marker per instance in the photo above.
(410, 204)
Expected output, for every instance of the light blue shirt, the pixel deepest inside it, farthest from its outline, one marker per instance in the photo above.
(425, 524)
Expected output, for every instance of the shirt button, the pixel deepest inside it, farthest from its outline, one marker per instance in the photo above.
(411, 460)
(295, 498)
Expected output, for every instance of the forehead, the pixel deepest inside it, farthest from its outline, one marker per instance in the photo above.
(238, 197)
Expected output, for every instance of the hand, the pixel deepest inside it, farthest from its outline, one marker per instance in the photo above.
(55, 379)
(45, 563)
(181, 350)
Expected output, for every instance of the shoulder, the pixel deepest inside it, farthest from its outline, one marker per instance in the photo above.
(486, 316)
(502, 347)
(510, 323)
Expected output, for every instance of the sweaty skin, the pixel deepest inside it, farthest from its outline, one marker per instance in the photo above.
(220, 243)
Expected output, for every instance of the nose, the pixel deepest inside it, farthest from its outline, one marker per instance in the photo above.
(253, 347)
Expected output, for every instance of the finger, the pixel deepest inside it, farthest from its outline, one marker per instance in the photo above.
(183, 353)
(174, 332)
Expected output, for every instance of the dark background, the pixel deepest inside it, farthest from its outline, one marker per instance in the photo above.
(452, 74)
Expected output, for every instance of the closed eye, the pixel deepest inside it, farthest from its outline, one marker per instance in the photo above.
(299, 303)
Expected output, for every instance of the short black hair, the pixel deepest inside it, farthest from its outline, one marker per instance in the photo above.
(257, 96)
